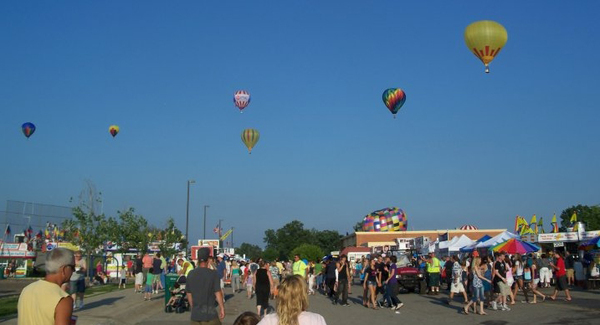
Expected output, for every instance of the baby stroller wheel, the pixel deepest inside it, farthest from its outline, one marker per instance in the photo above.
(180, 309)
(168, 309)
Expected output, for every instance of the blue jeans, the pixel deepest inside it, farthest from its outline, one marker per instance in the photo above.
(319, 281)
(390, 294)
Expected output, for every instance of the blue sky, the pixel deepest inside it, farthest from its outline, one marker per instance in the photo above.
(466, 148)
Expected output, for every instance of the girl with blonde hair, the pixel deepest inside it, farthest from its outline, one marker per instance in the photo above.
(292, 303)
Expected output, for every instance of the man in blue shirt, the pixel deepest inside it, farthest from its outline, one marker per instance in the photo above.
(221, 271)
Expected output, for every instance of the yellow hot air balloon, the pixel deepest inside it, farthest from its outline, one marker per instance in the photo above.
(250, 138)
(485, 39)
(113, 130)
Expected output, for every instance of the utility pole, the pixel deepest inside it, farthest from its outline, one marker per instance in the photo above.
(205, 207)
(187, 215)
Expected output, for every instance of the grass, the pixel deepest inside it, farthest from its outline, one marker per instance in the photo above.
(8, 305)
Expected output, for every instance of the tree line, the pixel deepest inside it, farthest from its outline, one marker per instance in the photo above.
(292, 239)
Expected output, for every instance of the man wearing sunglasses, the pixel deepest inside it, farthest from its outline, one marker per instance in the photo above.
(44, 302)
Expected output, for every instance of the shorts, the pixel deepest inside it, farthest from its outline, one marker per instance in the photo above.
(502, 288)
(215, 321)
(139, 278)
(478, 294)
(222, 283)
(371, 283)
(570, 273)
(123, 281)
(457, 287)
(561, 283)
(77, 286)
(434, 279)
(148, 288)
(249, 287)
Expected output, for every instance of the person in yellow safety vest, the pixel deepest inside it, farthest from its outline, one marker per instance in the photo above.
(433, 271)
(185, 268)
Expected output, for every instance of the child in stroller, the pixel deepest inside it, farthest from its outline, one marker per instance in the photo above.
(178, 301)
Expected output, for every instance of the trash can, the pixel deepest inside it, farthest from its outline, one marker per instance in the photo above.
(170, 281)
(2, 268)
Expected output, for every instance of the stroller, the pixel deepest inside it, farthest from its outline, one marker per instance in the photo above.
(178, 302)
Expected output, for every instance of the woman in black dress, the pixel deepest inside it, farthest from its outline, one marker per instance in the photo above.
(262, 283)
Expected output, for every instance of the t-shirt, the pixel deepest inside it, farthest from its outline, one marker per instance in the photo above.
(343, 275)
(318, 268)
(448, 268)
(569, 262)
(456, 272)
(330, 270)
(202, 283)
(149, 278)
(156, 262)
(38, 301)
(393, 269)
(221, 269)
(79, 270)
(371, 274)
(305, 318)
(138, 265)
(560, 265)
(147, 261)
(384, 273)
(299, 268)
(500, 266)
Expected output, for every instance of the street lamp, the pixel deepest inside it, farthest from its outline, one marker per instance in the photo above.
(187, 214)
(205, 207)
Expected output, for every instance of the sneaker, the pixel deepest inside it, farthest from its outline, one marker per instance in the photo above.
(346, 305)
(494, 305)
(400, 305)
(505, 308)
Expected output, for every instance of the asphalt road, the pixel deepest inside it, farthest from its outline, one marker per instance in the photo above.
(126, 307)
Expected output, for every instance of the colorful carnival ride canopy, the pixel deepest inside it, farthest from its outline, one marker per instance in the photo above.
(388, 219)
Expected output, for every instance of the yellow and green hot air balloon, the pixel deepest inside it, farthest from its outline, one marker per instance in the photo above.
(485, 39)
(250, 138)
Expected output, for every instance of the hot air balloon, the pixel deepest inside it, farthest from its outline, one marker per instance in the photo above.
(250, 138)
(485, 39)
(394, 98)
(113, 130)
(241, 98)
(28, 129)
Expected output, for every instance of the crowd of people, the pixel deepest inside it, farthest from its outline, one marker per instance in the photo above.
(493, 282)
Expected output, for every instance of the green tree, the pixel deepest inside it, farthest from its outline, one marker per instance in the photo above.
(88, 231)
(270, 254)
(288, 237)
(590, 215)
(251, 251)
(307, 251)
(327, 240)
(169, 237)
(134, 230)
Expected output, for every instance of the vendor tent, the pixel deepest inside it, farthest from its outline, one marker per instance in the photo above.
(500, 238)
(456, 244)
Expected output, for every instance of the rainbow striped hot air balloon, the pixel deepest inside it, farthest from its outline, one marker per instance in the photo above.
(485, 39)
(250, 138)
(394, 98)
(28, 129)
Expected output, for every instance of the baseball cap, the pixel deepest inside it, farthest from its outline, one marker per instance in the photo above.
(203, 254)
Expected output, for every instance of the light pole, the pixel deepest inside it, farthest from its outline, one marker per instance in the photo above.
(187, 214)
(205, 207)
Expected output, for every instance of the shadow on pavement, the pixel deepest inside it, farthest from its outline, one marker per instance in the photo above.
(103, 302)
(443, 301)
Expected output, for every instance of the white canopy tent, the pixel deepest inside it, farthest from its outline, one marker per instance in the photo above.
(454, 245)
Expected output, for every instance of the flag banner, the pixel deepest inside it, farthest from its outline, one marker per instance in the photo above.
(226, 234)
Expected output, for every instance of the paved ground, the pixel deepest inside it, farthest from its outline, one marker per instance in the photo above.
(126, 307)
